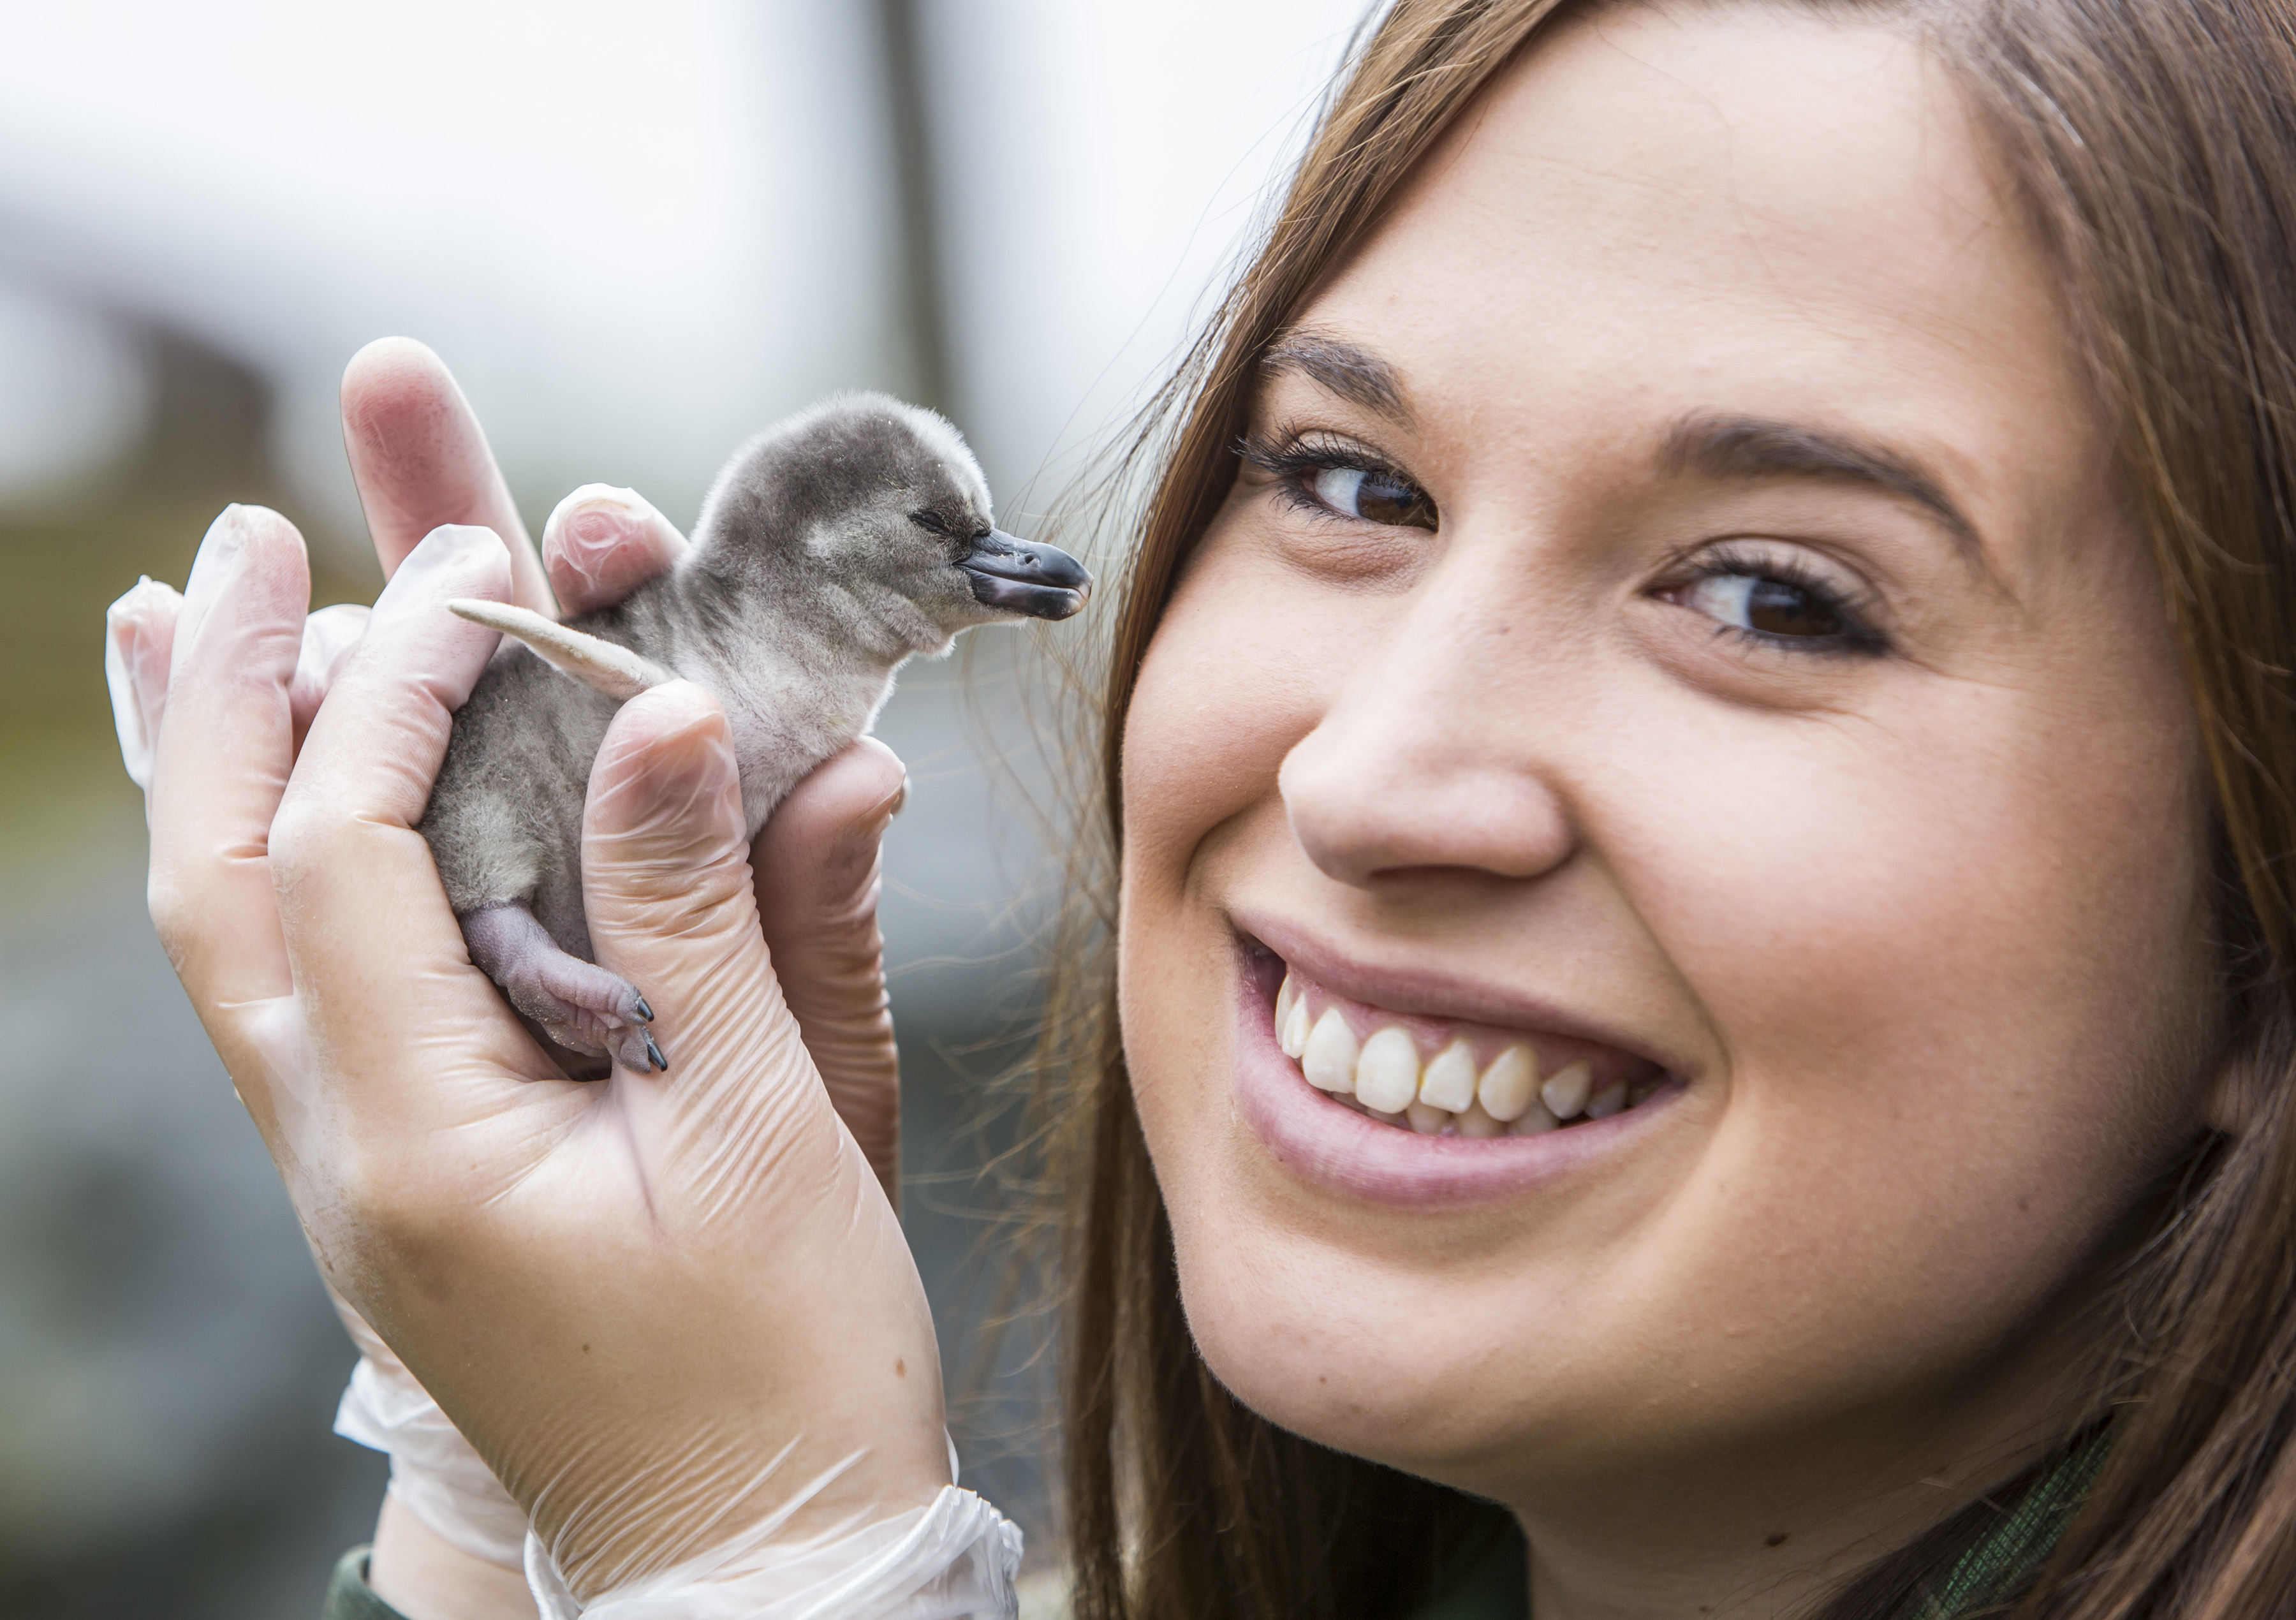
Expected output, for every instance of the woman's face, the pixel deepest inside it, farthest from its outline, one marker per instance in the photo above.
(1678, 640)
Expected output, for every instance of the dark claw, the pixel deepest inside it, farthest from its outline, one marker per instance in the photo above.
(645, 1013)
(653, 1052)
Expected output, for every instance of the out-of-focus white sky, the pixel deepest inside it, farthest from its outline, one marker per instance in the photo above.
(637, 233)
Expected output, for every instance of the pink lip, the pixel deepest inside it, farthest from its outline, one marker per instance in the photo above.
(1331, 1144)
(1434, 993)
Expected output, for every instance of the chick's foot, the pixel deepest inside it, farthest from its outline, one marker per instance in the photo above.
(578, 1004)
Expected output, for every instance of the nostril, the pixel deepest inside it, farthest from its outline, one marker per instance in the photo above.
(1368, 812)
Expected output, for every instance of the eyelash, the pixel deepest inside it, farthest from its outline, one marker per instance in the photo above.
(1861, 640)
(1291, 457)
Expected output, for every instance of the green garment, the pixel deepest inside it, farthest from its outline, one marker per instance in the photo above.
(1494, 1591)
(1997, 1567)
(349, 1597)
(1498, 1587)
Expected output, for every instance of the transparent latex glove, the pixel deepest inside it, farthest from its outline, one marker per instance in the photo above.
(419, 455)
(666, 1309)
(435, 1477)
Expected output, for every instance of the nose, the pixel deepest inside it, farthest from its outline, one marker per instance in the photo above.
(1429, 759)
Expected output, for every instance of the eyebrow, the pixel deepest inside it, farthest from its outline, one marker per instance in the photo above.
(1354, 374)
(1723, 446)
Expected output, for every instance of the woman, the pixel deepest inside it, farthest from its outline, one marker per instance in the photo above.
(1700, 745)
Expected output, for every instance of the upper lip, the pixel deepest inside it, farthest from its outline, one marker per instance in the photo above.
(1435, 993)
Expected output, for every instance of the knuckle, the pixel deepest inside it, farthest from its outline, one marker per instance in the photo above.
(174, 918)
(306, 838)
(389, 1202)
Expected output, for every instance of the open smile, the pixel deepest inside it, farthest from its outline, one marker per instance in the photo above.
(1416, 1108)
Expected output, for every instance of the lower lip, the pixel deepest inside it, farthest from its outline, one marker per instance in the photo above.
(1328, 1143)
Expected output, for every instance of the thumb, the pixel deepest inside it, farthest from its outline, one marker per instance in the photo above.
(662, 844)
(671, 907)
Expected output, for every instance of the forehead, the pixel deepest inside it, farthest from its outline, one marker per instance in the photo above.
(1657, 213)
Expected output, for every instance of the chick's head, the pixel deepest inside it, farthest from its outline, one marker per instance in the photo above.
(882, 503)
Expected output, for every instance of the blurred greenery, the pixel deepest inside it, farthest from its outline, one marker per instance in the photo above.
(68, 558)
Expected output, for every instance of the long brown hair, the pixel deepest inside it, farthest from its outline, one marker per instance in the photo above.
(2155, 145)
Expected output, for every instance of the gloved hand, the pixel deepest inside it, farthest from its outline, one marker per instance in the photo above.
(823, 842)
(673, 1313)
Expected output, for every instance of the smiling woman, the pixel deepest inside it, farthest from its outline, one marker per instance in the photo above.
(1700, 768)
(1688, 597)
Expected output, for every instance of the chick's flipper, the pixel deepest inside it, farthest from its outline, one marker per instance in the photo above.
(578, 1004)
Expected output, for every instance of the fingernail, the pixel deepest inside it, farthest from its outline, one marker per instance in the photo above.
(220, 547)
(443, 566)
(591, 526)
(139, 629)
(222, 555)
(605, 497)
(654, 1052)
(594, 518)
(645, 1012)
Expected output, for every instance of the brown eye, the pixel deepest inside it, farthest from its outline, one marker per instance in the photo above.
(1373, 496)
(1775, 609)
(1781, 609)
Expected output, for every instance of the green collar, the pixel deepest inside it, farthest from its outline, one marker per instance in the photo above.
(1994, 1569)
(1494, 1586)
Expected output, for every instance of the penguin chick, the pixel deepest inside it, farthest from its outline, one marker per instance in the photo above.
(831, 549)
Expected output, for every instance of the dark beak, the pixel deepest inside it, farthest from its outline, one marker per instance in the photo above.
(1021, 577)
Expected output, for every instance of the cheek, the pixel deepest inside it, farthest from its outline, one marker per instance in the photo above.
(1958, 994)
(1231, 682)
(1901, 898)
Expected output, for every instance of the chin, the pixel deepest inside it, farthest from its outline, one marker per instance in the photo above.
(1350, 1358)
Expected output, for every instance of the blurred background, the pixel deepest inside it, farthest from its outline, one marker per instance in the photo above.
(637, 234)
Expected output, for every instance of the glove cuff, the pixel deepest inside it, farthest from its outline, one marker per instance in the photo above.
(954, 1559)
(434, 1473)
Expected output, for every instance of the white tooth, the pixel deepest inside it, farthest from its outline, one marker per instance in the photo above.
(1477, 1122)
(1607, 1101)
(1294, 1038)
(1510, 1083)
(1387, 1073)
(1328, 1055)
(1283, 994)
(1533, 1121)
(1398, 1120)
(1427, 1119)
(1449, 1082)
(1566, 1094)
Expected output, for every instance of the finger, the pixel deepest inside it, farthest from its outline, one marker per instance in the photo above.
(601, 543)
(328, 638)
(139, 642)
(377, 955)
(222, 760)
(671, 907)
(819, 877)
(421, 460)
